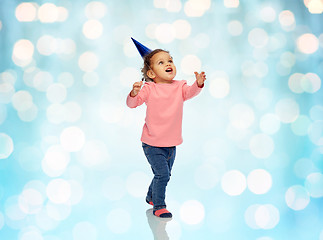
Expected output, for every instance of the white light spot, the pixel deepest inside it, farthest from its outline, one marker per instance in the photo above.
(259, 181)
(287, 59)
(62, 14)
(12, 210)
(56, 93)
(56, 113)
(137, 184)
(58, 212)
(88, 62)
(314, 183)
(31, 233)
(23, 52)
(269, 123)
(287, 110)
(111, 113)
(173, 6)
(233, 183)
(311, 82)
(249, 216)
(22, 100)
(315, 6)
(267, 14)
(182, 29)
(6, 92)
(261, 145)
(231, 3)
(58, 191)
(297, 197)
(294, 82)
(192, 212)
(235, 28)
(303, 167)
(241, 116)
(286, 19)
(196, 8)
(258, 37)
(94, 153)
(31, 201)
(165, 33)
(128, 74)
(95, 10)
(92, 29)
(151, 30)
(46, 45)
(26, 12)
(119, 221)
(266, 216)
(55, 161)
(219, 85)
(28, 115)
(308, 43)
(42, 80)
(190, 64)
(48, 13)
(72, 139)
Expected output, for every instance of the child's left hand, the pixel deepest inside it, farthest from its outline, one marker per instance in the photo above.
(200, 78)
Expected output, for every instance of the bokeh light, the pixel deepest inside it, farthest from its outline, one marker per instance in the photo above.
(233, 183)
(6, 146)
(192, 212)
(71, 161)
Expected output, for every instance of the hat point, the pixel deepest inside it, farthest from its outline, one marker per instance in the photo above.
(143, 50)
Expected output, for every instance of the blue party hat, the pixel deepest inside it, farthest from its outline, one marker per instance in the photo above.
(143, 50)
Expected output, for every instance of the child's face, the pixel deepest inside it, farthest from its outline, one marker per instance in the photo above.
(162, 67)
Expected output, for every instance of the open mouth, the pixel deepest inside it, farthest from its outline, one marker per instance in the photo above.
(169, 70)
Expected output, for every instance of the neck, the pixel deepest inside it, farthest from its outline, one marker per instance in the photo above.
(163, 81)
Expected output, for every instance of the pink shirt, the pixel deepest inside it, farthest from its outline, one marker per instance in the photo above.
(163, 123)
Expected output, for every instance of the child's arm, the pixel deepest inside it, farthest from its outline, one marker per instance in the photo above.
(138, 95)
(136, 88)
(200, 78)
(192, 91)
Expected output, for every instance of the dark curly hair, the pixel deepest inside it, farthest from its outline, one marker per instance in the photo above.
(147, 62)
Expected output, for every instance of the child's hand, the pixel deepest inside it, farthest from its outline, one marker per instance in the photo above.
(136, 88)
(200, 78)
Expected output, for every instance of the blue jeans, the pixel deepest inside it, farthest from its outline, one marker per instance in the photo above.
(161, 160)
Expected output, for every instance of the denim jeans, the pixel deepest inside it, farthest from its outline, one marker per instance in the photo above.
(161, 160)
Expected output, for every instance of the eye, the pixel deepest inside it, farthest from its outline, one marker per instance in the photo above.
(170, 61)
(161, 62)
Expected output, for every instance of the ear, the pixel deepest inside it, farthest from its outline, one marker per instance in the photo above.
(151, 74)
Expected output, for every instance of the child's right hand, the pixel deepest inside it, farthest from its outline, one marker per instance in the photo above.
(136, 88)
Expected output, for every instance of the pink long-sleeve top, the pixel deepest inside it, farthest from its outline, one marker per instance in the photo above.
(164, 114)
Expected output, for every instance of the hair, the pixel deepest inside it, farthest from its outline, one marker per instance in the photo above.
(147, 62)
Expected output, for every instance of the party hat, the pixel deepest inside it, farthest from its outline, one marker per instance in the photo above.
(143, 50)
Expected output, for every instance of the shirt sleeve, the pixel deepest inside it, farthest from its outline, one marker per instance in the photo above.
(139, 99)
(191, 91)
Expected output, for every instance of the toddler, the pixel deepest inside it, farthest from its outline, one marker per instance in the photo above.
(162, 130)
